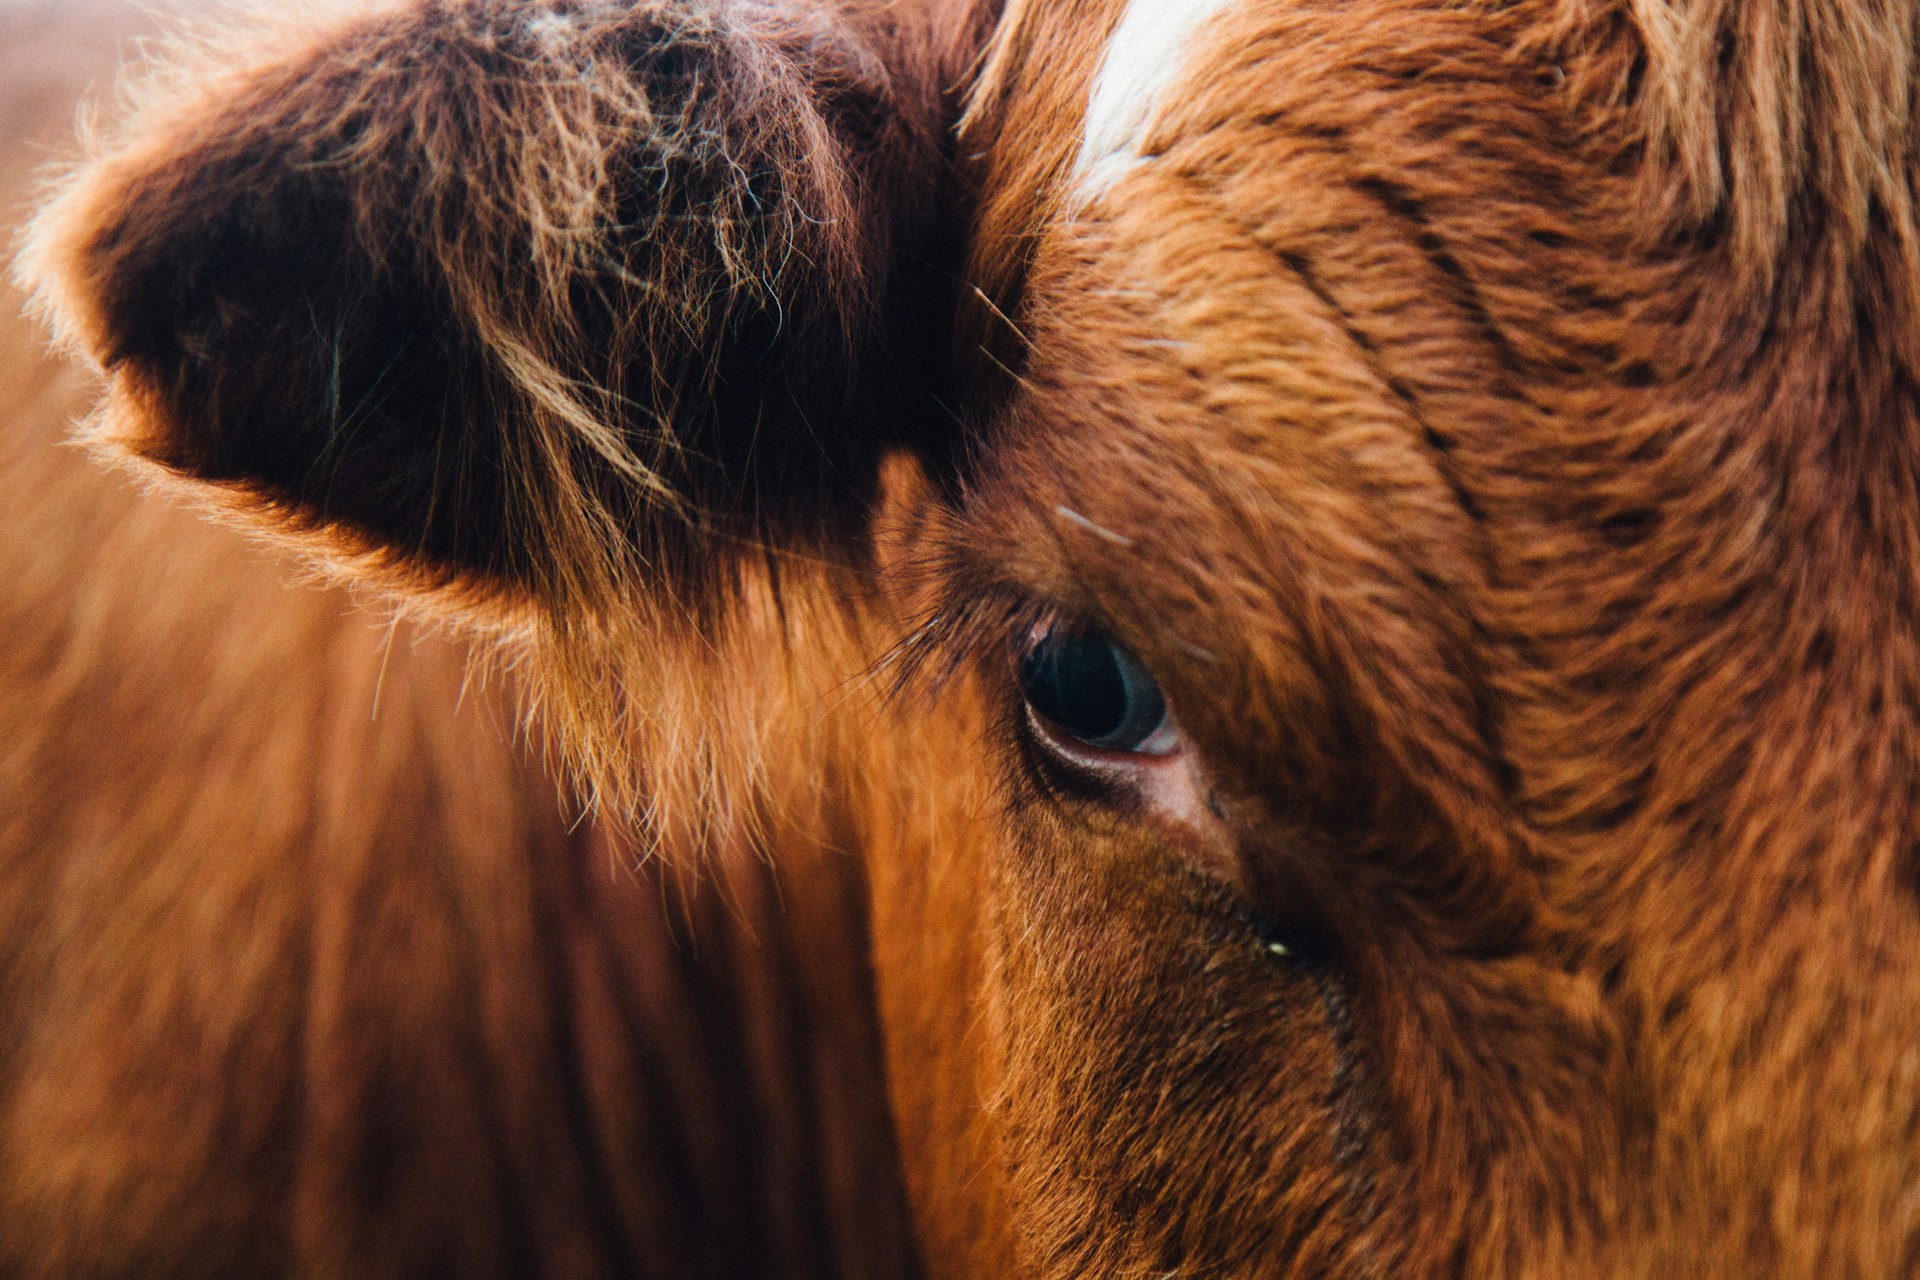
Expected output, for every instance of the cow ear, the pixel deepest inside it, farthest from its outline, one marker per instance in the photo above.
(518, 296)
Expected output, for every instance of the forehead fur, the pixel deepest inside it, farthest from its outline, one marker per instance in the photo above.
(1706, 105)
(1143, 59)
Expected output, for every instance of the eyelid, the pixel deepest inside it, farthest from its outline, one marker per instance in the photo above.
(1104, 759)
(1172, 787)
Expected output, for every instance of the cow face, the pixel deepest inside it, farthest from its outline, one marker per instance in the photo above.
(1397, 522)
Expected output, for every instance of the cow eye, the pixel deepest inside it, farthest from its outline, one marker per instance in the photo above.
(1088, 688)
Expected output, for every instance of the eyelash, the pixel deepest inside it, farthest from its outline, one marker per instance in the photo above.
(985, 630)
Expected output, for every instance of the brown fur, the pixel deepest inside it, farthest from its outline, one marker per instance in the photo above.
(304, 967)
(1493, 424)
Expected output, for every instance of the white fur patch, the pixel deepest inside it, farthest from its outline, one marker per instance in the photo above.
(1143, 60)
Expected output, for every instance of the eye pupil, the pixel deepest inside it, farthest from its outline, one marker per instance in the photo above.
(1092, 689)
(1074, 681)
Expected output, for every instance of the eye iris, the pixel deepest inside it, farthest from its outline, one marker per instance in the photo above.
(1092, 689)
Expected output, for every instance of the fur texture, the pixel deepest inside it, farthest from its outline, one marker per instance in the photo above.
(1493, 426)
(305, 966)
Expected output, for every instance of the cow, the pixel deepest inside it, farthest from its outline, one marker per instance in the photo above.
(1343, 573)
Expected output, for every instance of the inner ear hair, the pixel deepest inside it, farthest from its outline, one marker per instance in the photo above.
(527, 297)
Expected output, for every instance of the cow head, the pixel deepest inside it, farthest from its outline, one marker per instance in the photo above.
(1349, 568)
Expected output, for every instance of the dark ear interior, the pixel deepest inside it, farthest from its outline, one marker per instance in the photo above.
(529, 294)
